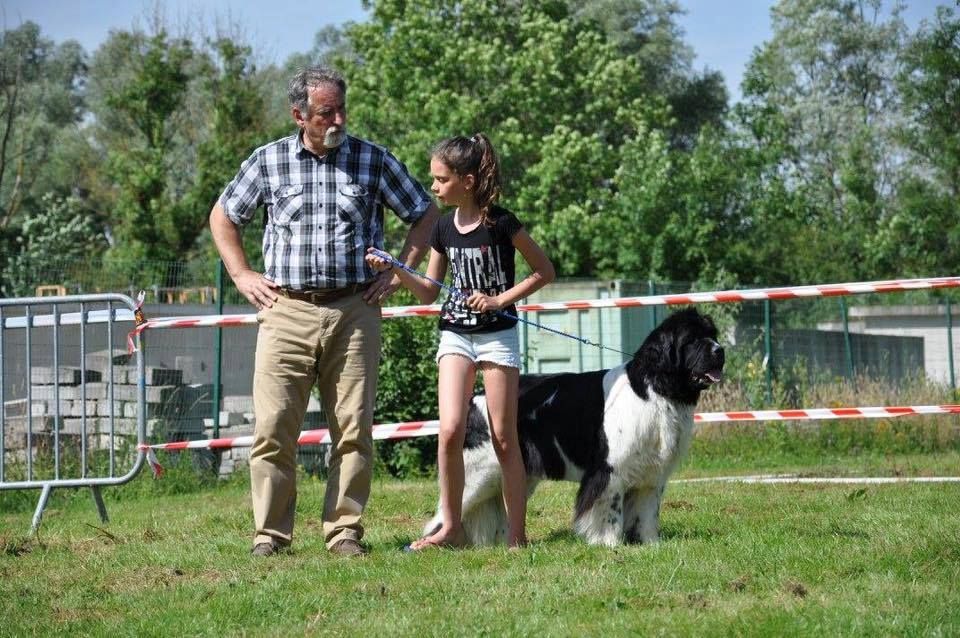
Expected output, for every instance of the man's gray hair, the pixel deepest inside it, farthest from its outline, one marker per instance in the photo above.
(308, 78)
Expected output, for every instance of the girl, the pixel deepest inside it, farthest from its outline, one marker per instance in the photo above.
(479, 242)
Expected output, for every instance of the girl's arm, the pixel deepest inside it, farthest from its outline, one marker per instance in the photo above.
(425, 291)
(543, 273)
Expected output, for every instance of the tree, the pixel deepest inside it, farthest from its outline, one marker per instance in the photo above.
(60, 235)
(647, 31)
(558, 100)
(40, 102)
(821, 93)
(926, 205)
(234, 107)
(138, 84)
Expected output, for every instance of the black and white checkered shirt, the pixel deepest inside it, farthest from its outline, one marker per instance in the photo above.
(322, 212)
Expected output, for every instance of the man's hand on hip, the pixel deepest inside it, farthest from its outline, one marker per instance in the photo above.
(258, 290)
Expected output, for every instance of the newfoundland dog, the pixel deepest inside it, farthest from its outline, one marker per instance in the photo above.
(619, 433)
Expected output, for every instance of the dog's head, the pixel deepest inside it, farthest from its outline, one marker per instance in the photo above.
(679, 359)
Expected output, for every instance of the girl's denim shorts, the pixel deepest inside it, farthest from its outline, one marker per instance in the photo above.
(501, 347)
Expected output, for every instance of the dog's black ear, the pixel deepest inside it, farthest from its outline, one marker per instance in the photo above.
(660, 352)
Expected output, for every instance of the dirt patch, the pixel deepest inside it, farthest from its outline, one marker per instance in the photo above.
(739, 584)
(16, 546)
(796, 588)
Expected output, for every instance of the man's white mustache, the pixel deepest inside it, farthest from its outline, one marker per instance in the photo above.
(334, 136)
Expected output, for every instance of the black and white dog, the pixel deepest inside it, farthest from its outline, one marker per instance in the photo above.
(619, 433)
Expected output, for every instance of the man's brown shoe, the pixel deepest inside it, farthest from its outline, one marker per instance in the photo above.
(348, 547)
(265, 549)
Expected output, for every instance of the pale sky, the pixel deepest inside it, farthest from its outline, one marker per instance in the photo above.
(722, 33)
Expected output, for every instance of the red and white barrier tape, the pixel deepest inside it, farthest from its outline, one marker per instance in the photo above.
(412, 429)
(825, 413)
(843, 480)
(310, 437)
(725, 296)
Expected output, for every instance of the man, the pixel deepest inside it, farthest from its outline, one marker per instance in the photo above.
(317, 301)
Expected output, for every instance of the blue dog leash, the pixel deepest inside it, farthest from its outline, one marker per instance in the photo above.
(460, 295)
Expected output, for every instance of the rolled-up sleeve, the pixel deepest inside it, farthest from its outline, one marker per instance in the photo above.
(243, 195)
(401, 192)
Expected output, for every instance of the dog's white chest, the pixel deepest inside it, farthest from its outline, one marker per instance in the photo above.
(645, 437)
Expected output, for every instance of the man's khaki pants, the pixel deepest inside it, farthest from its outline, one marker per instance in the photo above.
(336, 346)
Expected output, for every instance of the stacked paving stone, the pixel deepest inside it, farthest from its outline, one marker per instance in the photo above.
(236, 420)
(82, 397)
(175, 410)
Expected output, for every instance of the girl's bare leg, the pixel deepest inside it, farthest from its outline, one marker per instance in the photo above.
(502, 386)
(455, 387)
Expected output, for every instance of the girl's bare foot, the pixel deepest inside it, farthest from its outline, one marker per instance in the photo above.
(448, 538)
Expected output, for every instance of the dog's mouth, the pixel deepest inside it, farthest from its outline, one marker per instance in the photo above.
(709, 377)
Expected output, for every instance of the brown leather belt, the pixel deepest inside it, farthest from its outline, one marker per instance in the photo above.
(324, 295)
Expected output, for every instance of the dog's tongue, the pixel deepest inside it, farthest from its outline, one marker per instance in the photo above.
(715, 375)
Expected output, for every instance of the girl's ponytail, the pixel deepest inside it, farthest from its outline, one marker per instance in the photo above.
(488, 175)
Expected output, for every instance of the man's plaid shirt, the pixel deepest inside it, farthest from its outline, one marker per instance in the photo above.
(322, 212)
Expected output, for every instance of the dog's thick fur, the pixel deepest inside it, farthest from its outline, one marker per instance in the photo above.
(619, 433)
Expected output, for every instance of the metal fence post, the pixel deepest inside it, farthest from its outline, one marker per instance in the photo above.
(953, 378)
(847, 346)
(218, 354)
(652, 310)
(768, 349)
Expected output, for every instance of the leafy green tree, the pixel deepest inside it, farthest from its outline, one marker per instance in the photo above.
(647, 30)
(931, 96)
(138, 84)
(922, 236)
(234, 108)
(40, 107)
(58, 237)
(820, 94)
(558, 100)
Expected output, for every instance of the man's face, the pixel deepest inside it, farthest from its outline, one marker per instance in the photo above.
(324, 124)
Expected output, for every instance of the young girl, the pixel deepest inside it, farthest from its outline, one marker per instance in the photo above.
(479, 242)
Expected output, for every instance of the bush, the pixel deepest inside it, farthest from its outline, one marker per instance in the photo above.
(407, 390)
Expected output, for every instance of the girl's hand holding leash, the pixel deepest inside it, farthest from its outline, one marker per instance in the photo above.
(480, 302)
(379, 260)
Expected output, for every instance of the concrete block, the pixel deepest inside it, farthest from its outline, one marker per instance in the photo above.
(21, 407)
(193, 370)
(100, 359)
(238, 403)
(152, 375)
(48, 392)
(64, 375)
(227, 419)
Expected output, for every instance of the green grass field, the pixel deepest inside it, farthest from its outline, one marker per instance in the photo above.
(755, 560)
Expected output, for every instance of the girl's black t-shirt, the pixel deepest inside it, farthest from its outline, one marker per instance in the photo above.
(481, 260)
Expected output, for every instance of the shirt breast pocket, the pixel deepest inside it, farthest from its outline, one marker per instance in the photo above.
(353, 203)
(287, 204)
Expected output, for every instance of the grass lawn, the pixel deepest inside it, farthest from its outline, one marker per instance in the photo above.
(757, 560)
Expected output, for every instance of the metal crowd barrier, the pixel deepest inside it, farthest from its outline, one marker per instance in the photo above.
(72, 400)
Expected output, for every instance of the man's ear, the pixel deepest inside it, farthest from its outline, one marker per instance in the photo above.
(297, 116)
